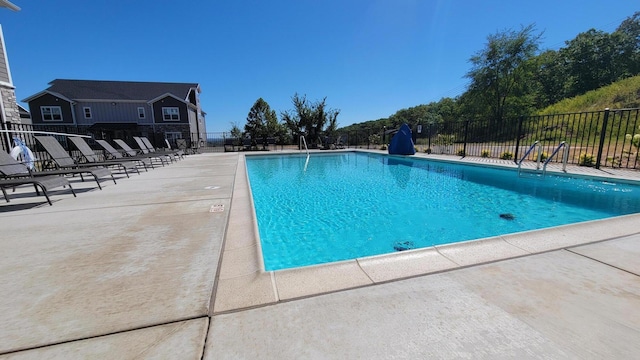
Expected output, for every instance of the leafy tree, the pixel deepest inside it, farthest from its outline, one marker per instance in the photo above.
(311, 119)
(591, 61)
(499, 72)
(629, 45)
(262, 122)
(551, 78)
(235, 131)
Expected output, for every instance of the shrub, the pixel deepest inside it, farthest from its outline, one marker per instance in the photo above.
(544, 156)
(507, 155)
(427, 150)
(460, 152)
(587, 160)
(383, 147)
(485, 153)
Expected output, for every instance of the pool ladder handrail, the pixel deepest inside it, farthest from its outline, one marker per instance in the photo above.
(565, 157)
(535, 145)
(304, 141)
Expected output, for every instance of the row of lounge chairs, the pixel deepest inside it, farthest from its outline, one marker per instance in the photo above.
(61, 164)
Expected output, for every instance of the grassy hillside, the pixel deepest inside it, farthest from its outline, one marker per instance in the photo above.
(621, 94)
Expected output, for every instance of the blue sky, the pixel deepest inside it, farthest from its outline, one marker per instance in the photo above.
(368, 58)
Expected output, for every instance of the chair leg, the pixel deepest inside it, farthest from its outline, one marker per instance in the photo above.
(73, 191)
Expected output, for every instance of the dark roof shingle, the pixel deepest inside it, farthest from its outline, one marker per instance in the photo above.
(118, 90)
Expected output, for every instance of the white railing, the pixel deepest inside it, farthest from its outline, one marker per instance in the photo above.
(535, 145)
(565, 157)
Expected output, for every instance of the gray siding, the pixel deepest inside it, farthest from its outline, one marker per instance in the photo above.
(50, 100)
(170, 102)
(4, 67)
(107, 112)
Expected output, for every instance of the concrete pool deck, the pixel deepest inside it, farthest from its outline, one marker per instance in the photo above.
(166, 265)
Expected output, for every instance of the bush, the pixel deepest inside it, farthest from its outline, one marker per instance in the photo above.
(427, 150)
(507, 155)
(587, 160)
(485, 153)
(460, 152)
(544, 156)
(383, 147)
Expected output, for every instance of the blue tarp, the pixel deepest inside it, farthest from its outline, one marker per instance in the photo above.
(402, 143)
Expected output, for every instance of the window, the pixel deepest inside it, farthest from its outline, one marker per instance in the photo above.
(170, 114)
(51, 113)
(87, 112)
(141, 113)
(172, 135)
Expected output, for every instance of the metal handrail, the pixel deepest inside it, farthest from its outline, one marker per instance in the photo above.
(535, 144)
(303, 140)
(565, 157)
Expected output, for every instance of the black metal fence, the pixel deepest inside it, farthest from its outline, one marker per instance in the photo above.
(607, 138)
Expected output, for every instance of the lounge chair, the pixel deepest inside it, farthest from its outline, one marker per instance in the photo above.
(179, 152)
(113, 153)
(63, 162)
(182, 145)
(16, 174)
(138, 153)
(42, 183)
(11, 168)
(90, 157)
(145, 145)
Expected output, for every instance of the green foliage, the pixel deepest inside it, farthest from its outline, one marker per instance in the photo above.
(587, 160)
(544, 156)
(311, 119)
(262, 122)
(635, 139)
(446, 139)
(485, 153)
(375, 139)
(460, 152)
(499, 73)
(507, 155)
(235, 131)
(621, 94)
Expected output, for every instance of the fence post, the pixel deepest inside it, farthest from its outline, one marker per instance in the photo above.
(6, 137)
(602, 134)
(466, 132)
(520, 120)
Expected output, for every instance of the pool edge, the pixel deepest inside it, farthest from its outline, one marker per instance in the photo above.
(261, 288)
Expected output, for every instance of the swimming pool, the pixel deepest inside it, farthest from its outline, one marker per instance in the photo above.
(342, 206)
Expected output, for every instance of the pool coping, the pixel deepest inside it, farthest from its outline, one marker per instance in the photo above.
(242, 282)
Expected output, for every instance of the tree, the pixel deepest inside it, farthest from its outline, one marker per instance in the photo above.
(311, 119)
(235, 131)
(499, 72)
(591, 61)
(629, 44)
(262, 122)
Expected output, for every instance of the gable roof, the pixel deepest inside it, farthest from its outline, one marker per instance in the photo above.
(117, 90)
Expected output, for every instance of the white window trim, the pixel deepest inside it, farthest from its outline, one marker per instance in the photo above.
(84, 112)
(170, 113)
(172, 135)
(141, 113)
(51, 108)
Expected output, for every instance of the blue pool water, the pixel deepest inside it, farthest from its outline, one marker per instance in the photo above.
(348, 205)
